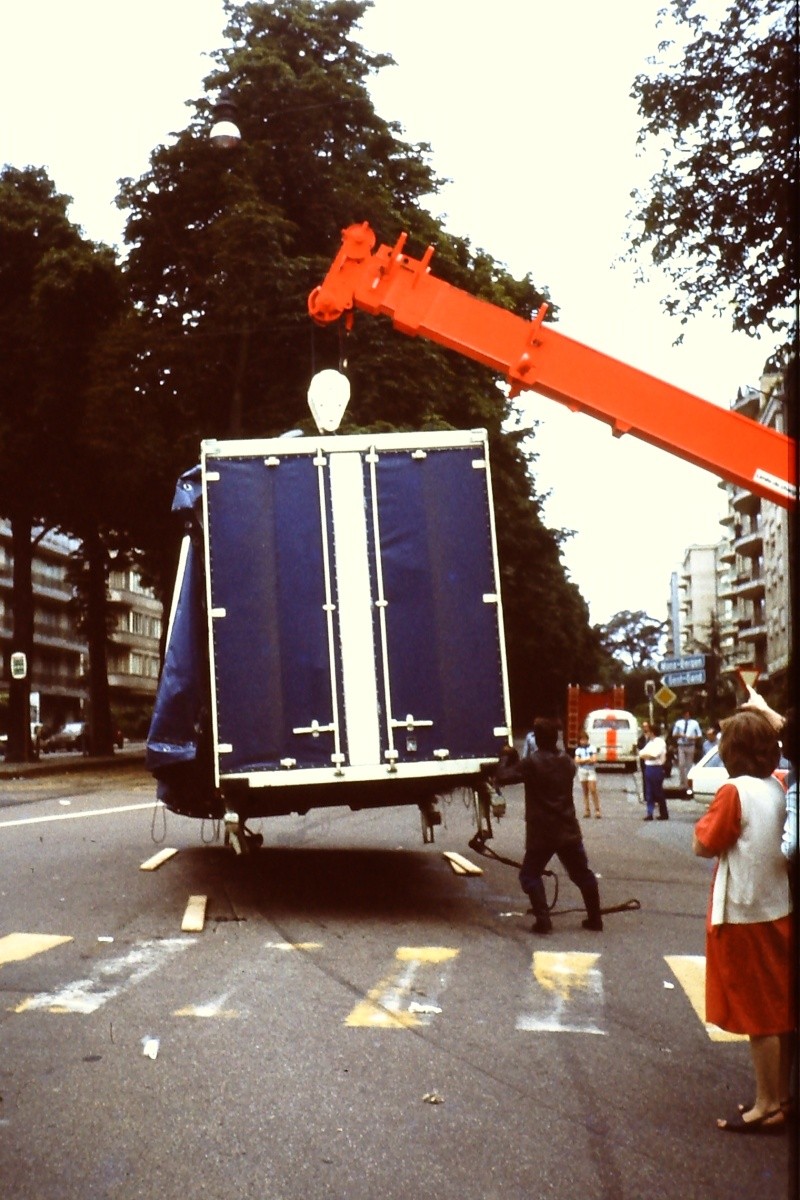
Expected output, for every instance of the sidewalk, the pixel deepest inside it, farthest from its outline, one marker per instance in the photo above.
(64, 764)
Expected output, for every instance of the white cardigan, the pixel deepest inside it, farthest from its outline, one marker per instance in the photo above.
(752, 883)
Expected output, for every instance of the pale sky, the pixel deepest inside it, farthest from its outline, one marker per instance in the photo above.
(526, 106)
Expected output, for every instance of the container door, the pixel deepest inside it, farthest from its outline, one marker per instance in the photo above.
(438, 622)
(272, 619)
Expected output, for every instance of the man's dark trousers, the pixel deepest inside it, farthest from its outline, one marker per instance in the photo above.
(573, 857)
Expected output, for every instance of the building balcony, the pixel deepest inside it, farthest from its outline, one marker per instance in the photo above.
(745, 502)
(749, 588)
(753, 633)
(727, 554)
(132, 685)
(751, 543)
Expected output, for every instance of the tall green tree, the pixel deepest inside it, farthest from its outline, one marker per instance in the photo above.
(225, 246)
(633, 638)
(720, 215)
(34, 231)
(58, 293)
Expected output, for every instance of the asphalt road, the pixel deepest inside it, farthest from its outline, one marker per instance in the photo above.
(355, 1020)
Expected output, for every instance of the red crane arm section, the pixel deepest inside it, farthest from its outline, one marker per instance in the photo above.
(533, 355)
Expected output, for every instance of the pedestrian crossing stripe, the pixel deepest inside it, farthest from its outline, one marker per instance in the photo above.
(565, 989)
(15, 947)
(109, 978)
(212, 1008)
(389, 1005)
(566, 994)
(690, 972)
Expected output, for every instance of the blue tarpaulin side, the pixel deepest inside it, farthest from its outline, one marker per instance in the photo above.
(180, 715)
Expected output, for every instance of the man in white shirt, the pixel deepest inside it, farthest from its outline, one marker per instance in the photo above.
(687, 733)
(653, 755)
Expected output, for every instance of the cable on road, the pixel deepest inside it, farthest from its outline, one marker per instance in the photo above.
(478, 844)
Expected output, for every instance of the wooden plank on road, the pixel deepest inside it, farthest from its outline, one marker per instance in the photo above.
(195, 916)
(152, 864)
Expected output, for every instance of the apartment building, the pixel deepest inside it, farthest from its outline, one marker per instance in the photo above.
(697, 599)
(748, 590)
(59, 664)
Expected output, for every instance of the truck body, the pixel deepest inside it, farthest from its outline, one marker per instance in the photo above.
(336, 635)
(581, 701)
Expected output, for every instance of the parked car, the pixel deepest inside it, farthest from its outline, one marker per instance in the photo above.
(71, 736)
(708, 775)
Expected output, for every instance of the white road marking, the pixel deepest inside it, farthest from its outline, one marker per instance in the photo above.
(111, 977)
(77, 816)
(566, 994)
(211, 1008)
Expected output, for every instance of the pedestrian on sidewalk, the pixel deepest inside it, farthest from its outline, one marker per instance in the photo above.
(653, 755)
(551, 825)
(585, 761)
(749, 923)
(688, 735)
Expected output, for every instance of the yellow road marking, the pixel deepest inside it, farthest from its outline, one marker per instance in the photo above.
(387, 1005)
(15, 947)
(152, 864)
(567, 994)
(690, 972)
(212, 1008)
(293, 946)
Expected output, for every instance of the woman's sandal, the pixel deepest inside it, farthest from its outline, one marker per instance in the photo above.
(763, 1124)
(787, 1107)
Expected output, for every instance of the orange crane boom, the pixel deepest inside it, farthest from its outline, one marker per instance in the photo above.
(532, 354)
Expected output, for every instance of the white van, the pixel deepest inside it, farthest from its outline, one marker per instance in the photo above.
(615, 733)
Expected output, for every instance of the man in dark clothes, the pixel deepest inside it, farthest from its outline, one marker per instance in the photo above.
(551, 826)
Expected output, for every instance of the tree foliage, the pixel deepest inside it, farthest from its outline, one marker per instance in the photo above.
(225, 246)
(59, 294)
(720, 215)
(633, 638)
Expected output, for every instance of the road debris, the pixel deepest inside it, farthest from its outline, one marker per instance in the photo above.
(150, 1047)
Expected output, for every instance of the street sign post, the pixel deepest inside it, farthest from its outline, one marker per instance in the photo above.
(684, 678)
(748, 676)
(683, 662)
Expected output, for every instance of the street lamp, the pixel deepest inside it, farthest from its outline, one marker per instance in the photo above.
(225, 132)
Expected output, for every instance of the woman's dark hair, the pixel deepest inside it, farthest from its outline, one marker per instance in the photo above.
(749, 745)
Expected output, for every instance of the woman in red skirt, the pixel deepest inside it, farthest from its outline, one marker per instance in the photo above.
(749, 924)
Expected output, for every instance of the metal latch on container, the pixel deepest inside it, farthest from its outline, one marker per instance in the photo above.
(409, 723)
(315, 729)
